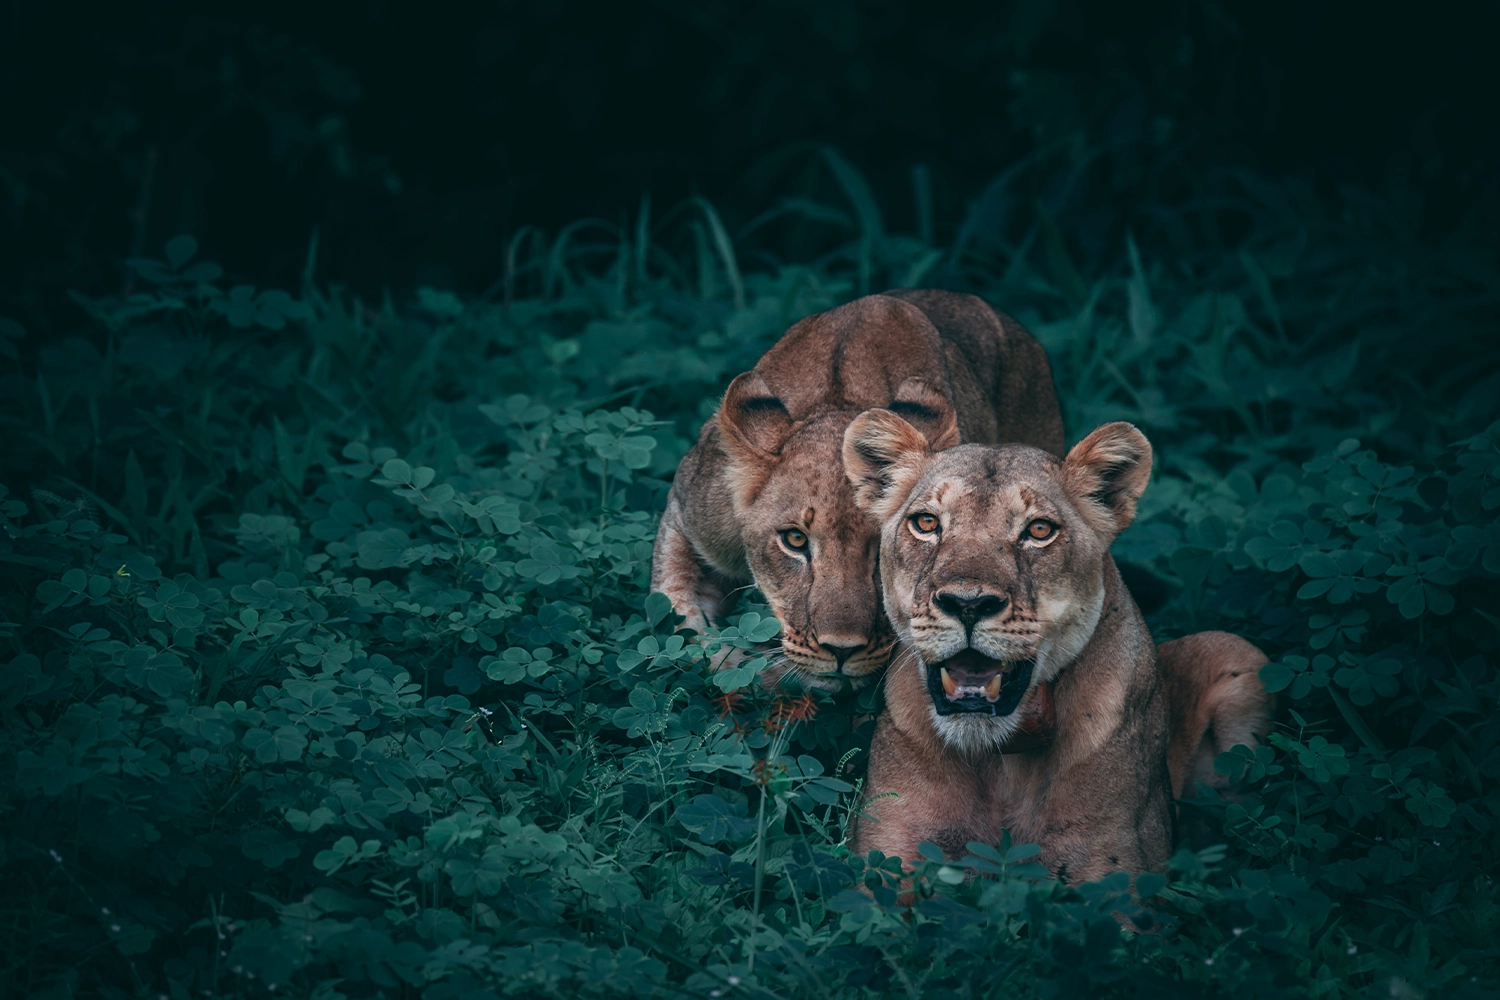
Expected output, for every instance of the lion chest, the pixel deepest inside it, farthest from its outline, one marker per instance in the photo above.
(981, 802)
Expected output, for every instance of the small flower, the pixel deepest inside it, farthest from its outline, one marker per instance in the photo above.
(1238, 931)
(115, 928)
(733, 980)
(789, 710)
(715, 993)
(55, 856)
(104, 910)
(1208, 961)
(763, 774)
(1353, 949)
(728, 703)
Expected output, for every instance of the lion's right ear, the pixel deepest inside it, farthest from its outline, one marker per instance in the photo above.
(883, 458)
(753, 423)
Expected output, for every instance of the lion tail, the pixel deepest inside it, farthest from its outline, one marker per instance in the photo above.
(1215, 700)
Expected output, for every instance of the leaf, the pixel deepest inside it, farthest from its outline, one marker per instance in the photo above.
(180, 250)
(382, 549)
(657, 607)
(736, 677)
(714, 820)
(439, 303)
(397, 471)
(1276, 676)
(1431, 805)
(128, 936)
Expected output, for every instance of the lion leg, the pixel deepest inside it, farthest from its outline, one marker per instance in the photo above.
(695, 590)
(1215, 700)
(906, 803)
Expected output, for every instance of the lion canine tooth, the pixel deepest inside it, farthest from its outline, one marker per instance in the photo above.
(949, 684)
(992, 689)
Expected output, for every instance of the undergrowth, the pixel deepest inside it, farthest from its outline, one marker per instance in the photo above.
(331, 669)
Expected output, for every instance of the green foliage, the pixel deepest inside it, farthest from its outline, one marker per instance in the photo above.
(330, 663)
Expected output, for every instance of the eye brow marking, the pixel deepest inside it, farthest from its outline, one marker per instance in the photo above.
(808, 515)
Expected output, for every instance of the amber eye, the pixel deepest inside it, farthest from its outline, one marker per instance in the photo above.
(1041, 530)
(925, 523)
(794, 539)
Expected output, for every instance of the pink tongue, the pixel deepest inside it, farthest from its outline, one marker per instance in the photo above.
(971, 668)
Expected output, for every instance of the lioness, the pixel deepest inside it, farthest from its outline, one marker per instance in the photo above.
(762, 496)
(1026, 695)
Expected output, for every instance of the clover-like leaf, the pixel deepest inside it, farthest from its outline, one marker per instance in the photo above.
(1322, 759)
(713, 819)
(382, 549)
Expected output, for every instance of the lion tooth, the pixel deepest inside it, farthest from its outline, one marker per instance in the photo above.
(949, 684)
(992, 689)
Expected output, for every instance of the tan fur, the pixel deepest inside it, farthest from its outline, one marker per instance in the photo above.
(770, 461)
(1215, 700)
(1098, 799)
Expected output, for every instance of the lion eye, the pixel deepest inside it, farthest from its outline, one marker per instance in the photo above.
(1041, 530)
(925, 523)
(794, 539)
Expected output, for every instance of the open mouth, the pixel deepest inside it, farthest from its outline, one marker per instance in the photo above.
(972, 682)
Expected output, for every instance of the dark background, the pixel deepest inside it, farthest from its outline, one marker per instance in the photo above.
(416, 139)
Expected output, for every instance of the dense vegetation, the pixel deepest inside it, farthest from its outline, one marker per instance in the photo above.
(331, 670)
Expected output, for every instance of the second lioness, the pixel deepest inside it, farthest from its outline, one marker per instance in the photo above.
(762, 497)
(997, 576)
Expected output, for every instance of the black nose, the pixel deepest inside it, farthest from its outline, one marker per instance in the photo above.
(842, 653)
(970, 610)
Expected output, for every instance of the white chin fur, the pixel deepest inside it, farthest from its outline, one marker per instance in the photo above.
(974, 735)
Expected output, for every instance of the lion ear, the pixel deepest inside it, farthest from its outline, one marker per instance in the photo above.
(1106, 473)
(920, 404)
(883, 458)
(753, 423)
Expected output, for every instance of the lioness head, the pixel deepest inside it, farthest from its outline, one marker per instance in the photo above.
(992, 558)
(811, 550)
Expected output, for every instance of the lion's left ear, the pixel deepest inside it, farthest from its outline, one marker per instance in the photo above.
(883, 458)
(1106, 473)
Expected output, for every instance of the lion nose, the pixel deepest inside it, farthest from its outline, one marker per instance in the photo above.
(842, 653)
(970, 610)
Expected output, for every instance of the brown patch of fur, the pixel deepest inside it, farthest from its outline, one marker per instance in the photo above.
(949, 364)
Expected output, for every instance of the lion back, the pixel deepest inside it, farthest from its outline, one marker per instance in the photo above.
(856, 357)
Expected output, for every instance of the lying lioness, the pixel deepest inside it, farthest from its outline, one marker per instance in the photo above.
(1026, 695)
(762, 496)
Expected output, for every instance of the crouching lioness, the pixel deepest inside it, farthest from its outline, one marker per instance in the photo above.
(1025, 694)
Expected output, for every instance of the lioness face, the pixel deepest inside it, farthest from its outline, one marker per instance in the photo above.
(992, 559)
(812, 552)
(811, 548)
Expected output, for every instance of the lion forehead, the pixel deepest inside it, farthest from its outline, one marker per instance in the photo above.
(980, 487)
